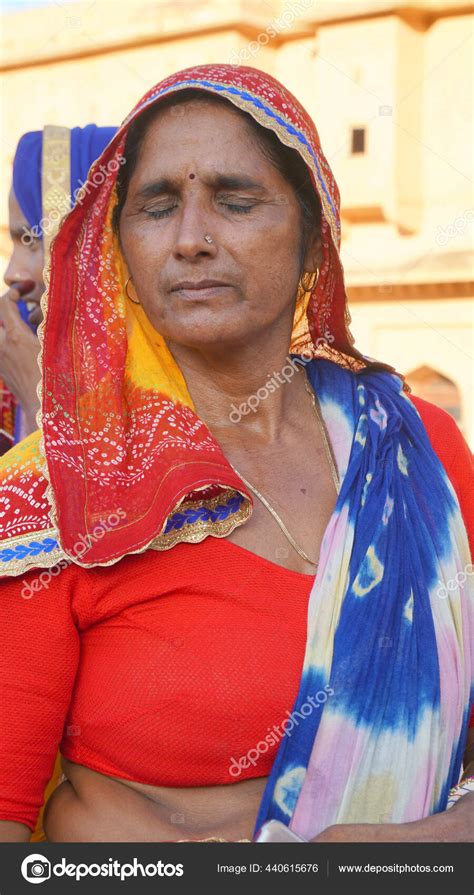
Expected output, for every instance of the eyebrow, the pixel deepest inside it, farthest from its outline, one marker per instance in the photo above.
(218, 181)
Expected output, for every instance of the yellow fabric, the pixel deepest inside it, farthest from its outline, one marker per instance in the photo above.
(38, 834)
(149, 363)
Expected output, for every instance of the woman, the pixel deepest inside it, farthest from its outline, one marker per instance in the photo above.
(49, 169)
(309, 661)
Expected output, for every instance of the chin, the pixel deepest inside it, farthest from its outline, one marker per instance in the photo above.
(207, 338)
(202, 329)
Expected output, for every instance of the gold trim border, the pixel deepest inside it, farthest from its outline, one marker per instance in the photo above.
(190, 533)
(55, 179)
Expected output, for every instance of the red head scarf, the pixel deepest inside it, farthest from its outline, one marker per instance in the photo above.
(121, 439)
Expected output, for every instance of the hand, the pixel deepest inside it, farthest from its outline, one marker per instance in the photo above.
(454, 825)
(19, 349)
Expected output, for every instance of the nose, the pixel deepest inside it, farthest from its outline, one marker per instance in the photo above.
(12, 273)
(193, 225)
(22, 266)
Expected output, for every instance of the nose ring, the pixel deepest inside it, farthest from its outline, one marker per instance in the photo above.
(208, 238)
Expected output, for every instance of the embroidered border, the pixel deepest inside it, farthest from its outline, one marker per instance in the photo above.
(193, 522)
(55, 178)
(189, 514)
(29, 552)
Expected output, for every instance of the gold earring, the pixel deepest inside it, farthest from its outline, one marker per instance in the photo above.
(133, 300)
(308, 284)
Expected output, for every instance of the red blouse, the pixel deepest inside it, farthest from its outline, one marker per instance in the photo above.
(170, 691)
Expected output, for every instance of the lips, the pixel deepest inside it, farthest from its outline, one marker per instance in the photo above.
(200, 290)
(24, 287)
(35, 316)
(33, 306)
(197, 285)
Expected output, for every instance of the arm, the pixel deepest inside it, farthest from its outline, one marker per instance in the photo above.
(39, 653)
(13, 832)
(453, 452)
(455, 825)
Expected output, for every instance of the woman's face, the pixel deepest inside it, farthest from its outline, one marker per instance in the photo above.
(25, 267)
(199, 172)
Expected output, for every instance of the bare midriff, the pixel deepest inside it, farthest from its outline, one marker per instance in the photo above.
(92, 807)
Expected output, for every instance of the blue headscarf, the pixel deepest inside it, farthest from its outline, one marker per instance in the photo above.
(87, 143)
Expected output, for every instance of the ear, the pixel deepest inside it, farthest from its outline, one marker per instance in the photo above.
(314, 254)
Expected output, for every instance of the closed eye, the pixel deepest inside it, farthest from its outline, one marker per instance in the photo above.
(238, 209)
(160, 213)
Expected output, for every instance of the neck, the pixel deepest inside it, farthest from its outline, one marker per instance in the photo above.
(226, 382)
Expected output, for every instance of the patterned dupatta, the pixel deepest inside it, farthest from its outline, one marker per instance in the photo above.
(123, 464)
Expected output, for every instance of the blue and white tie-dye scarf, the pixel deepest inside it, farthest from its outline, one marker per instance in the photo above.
(387, 642)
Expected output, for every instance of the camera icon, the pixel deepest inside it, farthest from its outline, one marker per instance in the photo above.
(73, 730)
(36, 868)
(385, 642)
(281, 552)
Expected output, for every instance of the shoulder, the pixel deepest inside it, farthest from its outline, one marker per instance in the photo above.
(435, 419)
(452, 450)
(446, 438)
(28, 537)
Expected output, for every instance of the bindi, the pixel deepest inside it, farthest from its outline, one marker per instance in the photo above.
(192, 176)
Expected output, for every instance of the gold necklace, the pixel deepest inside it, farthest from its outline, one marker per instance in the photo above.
(334, 474)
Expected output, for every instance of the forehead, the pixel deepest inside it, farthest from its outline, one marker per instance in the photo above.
(16, 217)
(202, 133)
